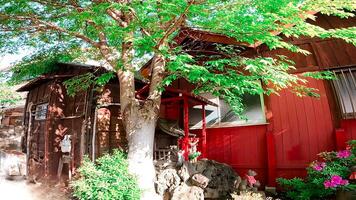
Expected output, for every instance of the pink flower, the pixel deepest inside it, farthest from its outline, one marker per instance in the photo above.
(328, 184)
(251, 180)
(319, 166)
(335, 181)
(344, 154)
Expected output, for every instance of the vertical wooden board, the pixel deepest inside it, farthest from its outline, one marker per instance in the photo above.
(303, 61)
(240, 146)
(261, 145)
(328, 119)
(303, 128)
(220, 147)
(277, 124)
(339, 46)
(35, 94)
(326, 54)
(210, 141)
(350, 50)
(294, 154)
(227, 147)
(117, 131)
(215, 145)
(322, 21)
(69, 106)
(325, 131)
(285, 130)
(103, 142)
(79, 103)
(318, 122)
(115, 92)
(349, 126)
(103, 119)
(240, 143)
(310, 116)
(41, 90)
(76, 131)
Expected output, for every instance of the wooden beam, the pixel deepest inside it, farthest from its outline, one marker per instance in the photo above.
(203, 132)
(271, 160)
(165, 100)
(186, 128)
(142, 90)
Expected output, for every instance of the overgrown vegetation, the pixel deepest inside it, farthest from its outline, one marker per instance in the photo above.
(325, 177)
(107, 179)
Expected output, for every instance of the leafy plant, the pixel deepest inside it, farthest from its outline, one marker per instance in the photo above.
(106, 180)
(324, 177)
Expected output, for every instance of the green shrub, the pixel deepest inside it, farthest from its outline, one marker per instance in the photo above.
(325, 176)
(108, 179)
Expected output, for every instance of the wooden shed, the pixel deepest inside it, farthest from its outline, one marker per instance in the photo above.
(91, 118)
(282, 135)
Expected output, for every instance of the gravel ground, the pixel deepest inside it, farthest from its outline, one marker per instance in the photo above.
(20, 190)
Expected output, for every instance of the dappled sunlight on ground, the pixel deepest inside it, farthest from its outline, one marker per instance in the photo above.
(20, 190)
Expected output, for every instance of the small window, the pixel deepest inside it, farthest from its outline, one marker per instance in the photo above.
(41, 111)
(223, 115)
(345, 91)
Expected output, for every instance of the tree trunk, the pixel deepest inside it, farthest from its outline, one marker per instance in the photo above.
(140, 124)
(140, 129)
(140, 158)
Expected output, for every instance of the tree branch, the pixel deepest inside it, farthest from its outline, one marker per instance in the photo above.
(178, 22)
(117, 16)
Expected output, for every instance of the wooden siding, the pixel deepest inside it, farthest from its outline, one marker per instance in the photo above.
(302, 127)
(66, 115)
(350, 128)
(324, 54)
(242, 147)
(39, 128)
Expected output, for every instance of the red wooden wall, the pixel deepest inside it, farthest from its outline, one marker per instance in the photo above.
(301, 128)
(349, 126)
(241, 147)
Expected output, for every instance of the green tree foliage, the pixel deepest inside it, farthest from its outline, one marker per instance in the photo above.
(8, 96)
(104, 29)
(107, 179)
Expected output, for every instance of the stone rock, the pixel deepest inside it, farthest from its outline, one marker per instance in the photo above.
(251, 173)
(237, 182)
(185, 192)
(203, 179)
(210, 193)
(243, 185)
(222, 178)
(200, 180)
(246, 195)
(186, 171)
(167, 180)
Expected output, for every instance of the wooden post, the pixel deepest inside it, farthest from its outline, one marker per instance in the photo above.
(185, 144)
(271, 159)
(203, 132)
